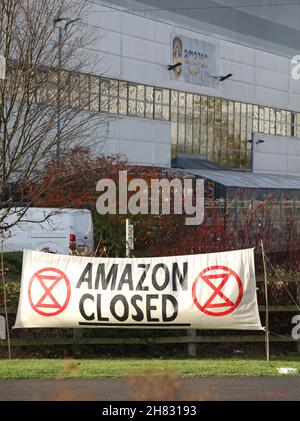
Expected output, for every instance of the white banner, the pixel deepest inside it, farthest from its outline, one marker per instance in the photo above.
(209, 291)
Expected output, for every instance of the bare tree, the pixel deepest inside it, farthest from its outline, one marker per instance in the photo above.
(46, 105)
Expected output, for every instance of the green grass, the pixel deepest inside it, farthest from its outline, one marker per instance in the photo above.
(114, 368)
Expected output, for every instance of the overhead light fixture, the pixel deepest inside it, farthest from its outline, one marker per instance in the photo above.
(222, 78)
(174, 66)
(67, 21)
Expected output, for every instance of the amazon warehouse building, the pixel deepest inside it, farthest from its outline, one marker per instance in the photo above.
(208, 86)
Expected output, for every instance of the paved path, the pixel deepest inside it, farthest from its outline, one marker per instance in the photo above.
(160, 389)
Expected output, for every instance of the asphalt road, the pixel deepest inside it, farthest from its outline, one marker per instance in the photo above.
(157, 389)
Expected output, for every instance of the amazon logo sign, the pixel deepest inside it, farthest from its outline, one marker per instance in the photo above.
(199, 61)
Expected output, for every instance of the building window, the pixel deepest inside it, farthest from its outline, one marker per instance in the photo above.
(215, 128)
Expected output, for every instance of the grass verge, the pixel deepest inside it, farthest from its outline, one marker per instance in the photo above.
(116, 368)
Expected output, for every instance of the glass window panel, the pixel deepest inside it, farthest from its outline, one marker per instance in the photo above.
(249, 120)
(158, 111)
(288, 123)
(122, 106)
(237, 116)
(197, 104)
(249, 162)
(283, 123)
(267, 120)
(278, 122)
(104, 103)
(74, 90)
(272, 121)
(114, 88)
(123, 89)
(174, 114)
(244, 117)
(237, 133)
(158, 96)
(218, 105)
(94, 92)
(230, 112)
(141, 93)
(189, 132)
(224, 148)
(255, 119)
(42, 86)
(230, 159)
(203, 110)
(196, 135)
(149, 93)
(104, 98)
(64, 95)
(113, 105)
(237, 159)
(189, 100)
(149, 110)
(140, 108)
(181, 133)
(210, 151)
(224, 112)
(132, 107)
(174, 134)
(104, 87)
(132, 92)
(210, 111)
(181, 99)
(298, 125)
(255, 112)
(166, 113)
(166, 97)
(218, 144)
(52, 89)
(174, 98)
(224, 132)
(83, 89)
(203, 140)
(261, 126)
(218, 113)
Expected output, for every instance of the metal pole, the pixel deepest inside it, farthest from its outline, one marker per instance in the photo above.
(5, 301)
(128, 251)
(267, 303)
(298, 299)
(58, 144)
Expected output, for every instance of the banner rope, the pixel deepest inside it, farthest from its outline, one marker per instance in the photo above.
(281, 335)
(267, 336)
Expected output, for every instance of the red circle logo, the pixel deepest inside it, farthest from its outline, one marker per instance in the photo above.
(226, 287)
(49, 292)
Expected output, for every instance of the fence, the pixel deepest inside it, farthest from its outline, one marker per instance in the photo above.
(191, 338)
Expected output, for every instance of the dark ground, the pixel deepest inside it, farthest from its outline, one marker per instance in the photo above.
(196, 389)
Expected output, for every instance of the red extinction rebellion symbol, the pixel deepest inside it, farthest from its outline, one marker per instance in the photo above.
(49, 292)
(224, 294)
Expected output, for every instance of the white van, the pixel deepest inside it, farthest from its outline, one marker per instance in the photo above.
(48, 229)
